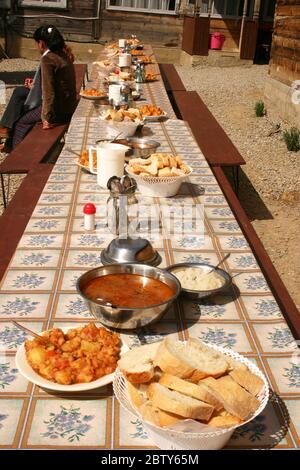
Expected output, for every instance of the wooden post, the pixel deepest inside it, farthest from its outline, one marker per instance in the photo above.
(256, 11)
(243, 23)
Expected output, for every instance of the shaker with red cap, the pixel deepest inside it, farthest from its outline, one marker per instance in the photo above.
(89, 212)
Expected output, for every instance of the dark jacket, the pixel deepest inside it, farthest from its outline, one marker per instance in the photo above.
(58, 87)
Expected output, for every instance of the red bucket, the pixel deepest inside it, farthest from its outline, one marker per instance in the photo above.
(217, 41)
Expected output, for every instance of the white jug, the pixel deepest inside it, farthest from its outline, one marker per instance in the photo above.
(110, 161)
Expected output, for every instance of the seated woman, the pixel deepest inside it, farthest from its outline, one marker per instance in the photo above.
(51, 98)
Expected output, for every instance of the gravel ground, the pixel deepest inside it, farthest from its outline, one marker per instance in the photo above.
(270, 181)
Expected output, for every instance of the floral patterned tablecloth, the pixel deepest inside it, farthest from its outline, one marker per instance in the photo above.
(38, 290)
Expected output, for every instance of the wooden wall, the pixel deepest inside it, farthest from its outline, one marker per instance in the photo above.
(73, 29)
(285, 53)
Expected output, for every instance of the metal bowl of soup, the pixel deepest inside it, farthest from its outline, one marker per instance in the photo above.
(128, 296)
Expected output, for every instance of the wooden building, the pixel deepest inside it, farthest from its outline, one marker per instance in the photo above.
(283, 85)
(171, 25)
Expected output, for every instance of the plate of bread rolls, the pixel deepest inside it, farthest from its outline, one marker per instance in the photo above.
(189, 394)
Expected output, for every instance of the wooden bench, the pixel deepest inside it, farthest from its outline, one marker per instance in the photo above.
(211, 138)
(38, 145)
(171, 78)
(15, 218)
(283, 298)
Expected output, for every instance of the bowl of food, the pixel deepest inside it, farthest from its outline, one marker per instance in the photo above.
(71, 359)
(140, 147)
(121, 123)
(200, 280)
(93, 94)
(128, 296)
(152, 113)
(189, 395)
(159, 175)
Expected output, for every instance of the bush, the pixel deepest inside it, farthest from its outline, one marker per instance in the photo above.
(260, 110)
(292, 139)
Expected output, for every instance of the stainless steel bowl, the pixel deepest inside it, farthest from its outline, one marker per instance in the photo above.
(200, 294)
(139, 147)
(128, 250)
(128, 318)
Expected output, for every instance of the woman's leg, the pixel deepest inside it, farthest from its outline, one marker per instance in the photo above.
(14, 107)
(25, 124)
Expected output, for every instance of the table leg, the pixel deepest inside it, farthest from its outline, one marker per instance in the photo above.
(3, 191)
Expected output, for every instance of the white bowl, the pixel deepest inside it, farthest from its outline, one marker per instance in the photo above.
(27, 371)
(170, 439)
(122, 129)
(156, 118)
(155, 186)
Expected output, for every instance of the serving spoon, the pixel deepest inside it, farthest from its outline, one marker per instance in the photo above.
(220, 262)
(30, 332)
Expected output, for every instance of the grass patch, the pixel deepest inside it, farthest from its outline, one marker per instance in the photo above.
(292, 139)
(260, 109)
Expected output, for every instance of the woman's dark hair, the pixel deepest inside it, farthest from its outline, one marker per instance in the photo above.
(51, 36)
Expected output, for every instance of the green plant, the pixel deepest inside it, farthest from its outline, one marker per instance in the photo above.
(292, 139)
(260, 109)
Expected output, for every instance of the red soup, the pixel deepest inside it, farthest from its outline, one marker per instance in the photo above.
(128, 290)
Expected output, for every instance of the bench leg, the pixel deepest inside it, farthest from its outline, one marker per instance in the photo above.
(236, 178)
(3, 191)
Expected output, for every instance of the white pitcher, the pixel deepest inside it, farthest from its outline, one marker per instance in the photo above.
(110, 161)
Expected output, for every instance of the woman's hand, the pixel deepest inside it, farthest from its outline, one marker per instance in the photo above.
(47, 125)
(28, 82)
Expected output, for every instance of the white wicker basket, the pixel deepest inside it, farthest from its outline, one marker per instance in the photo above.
(155, 186)
(169, 439)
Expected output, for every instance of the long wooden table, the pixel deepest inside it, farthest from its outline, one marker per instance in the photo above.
(38, 289)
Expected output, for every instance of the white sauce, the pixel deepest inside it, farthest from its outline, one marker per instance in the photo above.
(198, 279)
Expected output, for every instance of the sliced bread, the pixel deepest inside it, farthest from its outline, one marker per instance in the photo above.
(190, 389)
(223, 421)
(137, 393)
(137, 363)
(234, 398)
(177, 403)
(192, 360)
(157, 416)
(251, 382)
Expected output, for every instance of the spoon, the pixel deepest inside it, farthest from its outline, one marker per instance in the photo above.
(220, 262)
(30, 332)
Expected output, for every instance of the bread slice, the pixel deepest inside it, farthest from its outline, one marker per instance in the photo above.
(234, 398)
(223, 421)
(251, 382)
(193, 360)
(137, 393)
(234, 364)
(137, 364)
(177, 403)
(190, 389)
(157, 416)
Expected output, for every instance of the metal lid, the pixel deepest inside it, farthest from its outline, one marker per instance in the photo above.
(130, 250)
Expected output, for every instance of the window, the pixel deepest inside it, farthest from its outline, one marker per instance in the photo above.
(43, 3)
(145, 6)
(223, 8)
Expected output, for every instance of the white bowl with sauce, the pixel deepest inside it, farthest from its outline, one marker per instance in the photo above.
(196, 275)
